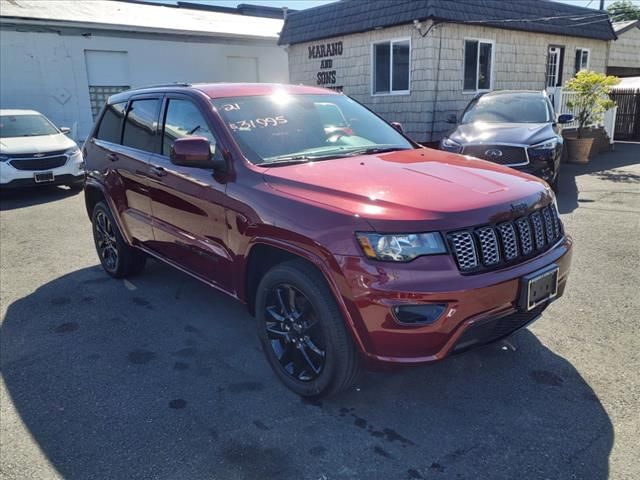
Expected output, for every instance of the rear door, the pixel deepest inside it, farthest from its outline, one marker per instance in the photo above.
(124, 140)
(188, 203)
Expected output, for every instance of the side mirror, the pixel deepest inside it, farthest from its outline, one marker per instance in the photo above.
(451, 118)
(65, 130)
(565, 118)
(398, 126)
(197, 152)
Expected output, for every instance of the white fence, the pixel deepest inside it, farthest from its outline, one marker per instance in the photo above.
(560, 98)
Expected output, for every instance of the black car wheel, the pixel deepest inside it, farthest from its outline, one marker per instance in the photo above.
(302, 331)
(117, 258)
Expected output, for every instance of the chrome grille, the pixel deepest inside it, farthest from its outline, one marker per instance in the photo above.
(538, 231)
(487, 246)
(524, 232)
(509, 241)
(465, 250)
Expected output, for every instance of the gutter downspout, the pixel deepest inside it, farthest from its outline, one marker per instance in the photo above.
(437, 89)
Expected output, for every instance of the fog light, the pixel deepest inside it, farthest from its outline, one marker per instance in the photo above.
(419, 314)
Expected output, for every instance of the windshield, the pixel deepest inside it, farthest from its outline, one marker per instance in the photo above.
(283, 127)
(508, 109)
(25, 126)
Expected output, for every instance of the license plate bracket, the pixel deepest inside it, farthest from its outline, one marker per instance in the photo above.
(539, 287)
(43, 177)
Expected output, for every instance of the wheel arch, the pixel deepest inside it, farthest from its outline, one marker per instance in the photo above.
(265, 254)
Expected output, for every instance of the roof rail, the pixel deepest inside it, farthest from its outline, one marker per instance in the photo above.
(163, 85)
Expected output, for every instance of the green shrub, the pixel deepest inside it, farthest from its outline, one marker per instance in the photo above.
(591, 97)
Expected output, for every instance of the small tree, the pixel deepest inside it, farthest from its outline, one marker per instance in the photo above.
(623, 10)
(591, 97)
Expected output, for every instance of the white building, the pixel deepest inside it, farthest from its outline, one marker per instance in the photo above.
(64, 58)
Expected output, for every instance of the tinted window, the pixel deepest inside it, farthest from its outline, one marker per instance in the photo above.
(183, 119)
(268, 128)
(140, 125)
(25, 126)
(508, 109)
(110, 127)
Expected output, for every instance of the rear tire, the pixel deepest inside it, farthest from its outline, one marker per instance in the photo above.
(303, 334)
(118, 259)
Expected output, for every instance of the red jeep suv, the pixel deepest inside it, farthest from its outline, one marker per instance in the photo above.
(351, 244)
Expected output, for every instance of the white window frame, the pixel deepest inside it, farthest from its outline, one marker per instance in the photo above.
(492, 69)
(582, 50)
(373, 67)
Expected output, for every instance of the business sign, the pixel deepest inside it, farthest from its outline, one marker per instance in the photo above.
(326, 77)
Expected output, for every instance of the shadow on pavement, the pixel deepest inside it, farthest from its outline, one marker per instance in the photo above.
(163, 378)
(13, 198)
(602, 166)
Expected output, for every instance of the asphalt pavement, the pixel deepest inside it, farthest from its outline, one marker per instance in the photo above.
(161, 377)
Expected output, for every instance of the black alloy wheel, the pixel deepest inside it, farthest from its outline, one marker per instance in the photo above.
(106, 242)
(294, 332)
(302, 331)
(118, 259)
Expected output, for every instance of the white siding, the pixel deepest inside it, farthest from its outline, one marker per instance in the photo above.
(48, 71)
(520, 63)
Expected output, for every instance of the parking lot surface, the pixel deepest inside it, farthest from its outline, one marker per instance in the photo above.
(161, 377)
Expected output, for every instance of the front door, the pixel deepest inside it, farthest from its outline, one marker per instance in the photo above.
(188, 204)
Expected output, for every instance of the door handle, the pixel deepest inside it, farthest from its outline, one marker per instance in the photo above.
(158, 171)
(112, 156)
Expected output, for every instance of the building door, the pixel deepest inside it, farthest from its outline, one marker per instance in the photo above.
(555, 61)
(107, 74)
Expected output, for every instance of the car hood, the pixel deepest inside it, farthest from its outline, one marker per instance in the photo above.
(499, 133)
(404, 189)
(39, 144)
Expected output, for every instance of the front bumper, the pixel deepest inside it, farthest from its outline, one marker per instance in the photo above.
(370, 290)
(70, 173)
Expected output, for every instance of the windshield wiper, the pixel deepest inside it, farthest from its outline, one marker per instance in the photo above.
(292, 160)
(370, 150)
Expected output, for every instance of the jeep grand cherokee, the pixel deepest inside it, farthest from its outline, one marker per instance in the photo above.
(351, 244)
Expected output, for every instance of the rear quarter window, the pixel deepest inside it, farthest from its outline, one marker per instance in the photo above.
(110, 127)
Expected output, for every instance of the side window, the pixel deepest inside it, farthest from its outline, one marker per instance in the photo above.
(183, 119)
(110, 127)
(141, 124)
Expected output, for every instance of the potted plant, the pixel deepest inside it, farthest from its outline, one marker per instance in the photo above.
(589, 101)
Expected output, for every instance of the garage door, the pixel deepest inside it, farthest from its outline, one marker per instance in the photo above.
(242, 69)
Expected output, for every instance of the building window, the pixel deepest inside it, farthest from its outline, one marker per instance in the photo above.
(98, 97)
(391, 66)
(582, 59)
(478, 65)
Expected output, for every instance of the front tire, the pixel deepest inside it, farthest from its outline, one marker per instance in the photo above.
(117, 258)
(302, 331)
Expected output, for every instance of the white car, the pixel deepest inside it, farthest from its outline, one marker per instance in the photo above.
(33, 151)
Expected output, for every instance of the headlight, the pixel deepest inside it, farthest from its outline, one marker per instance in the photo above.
(72, 151)
(4, 158)
(550, 144)
(450, 145)
(401, 247)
